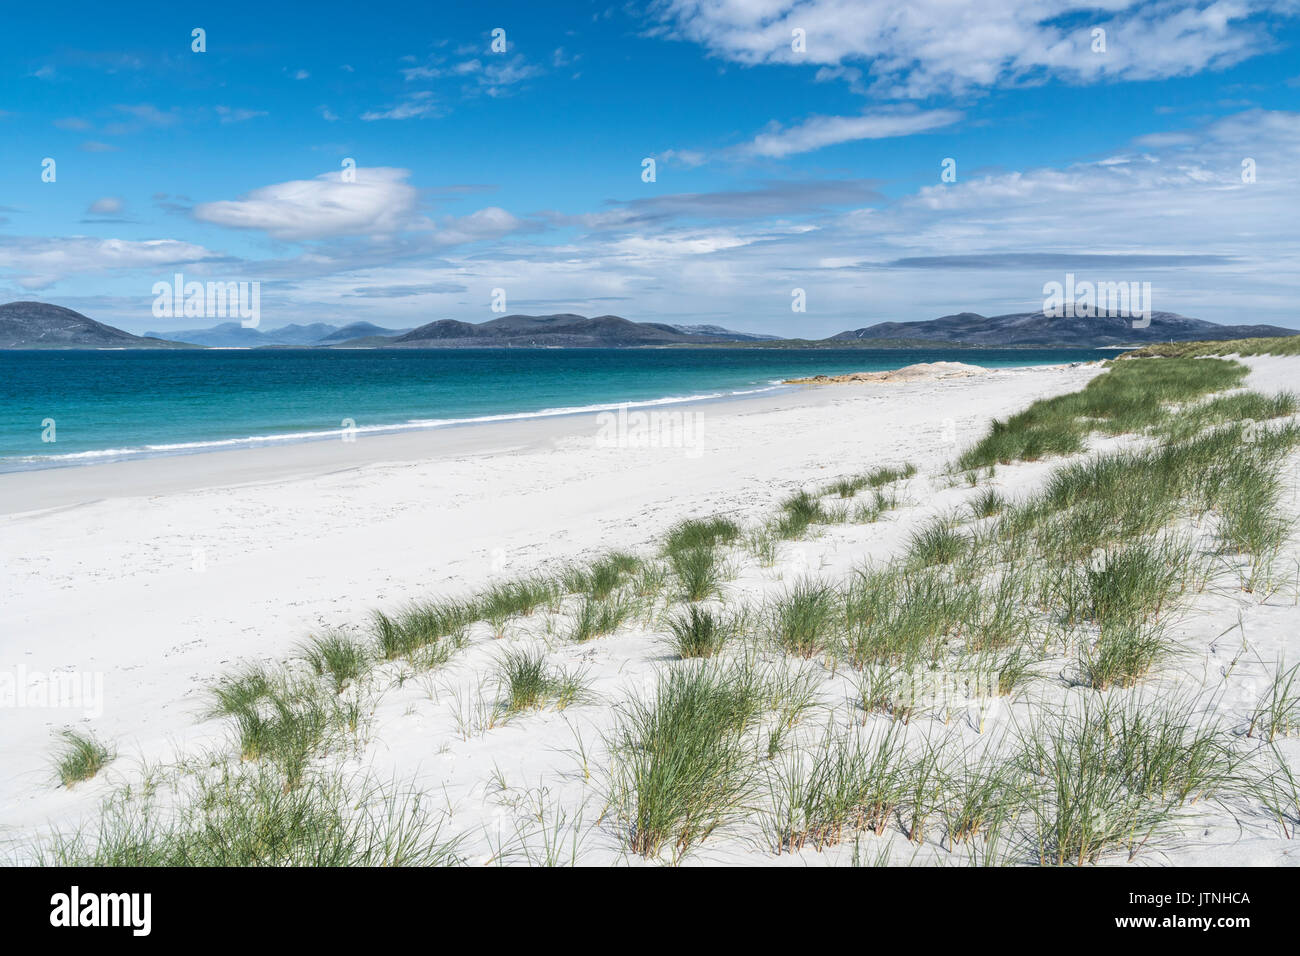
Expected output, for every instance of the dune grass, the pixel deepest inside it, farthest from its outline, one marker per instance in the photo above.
(683, 764)
(693, 533)
(804, 620)
(246, 817)
(1268, 345)
(337, 656)
(599, 616)
(285, 718)
(527, 683)
(986, 504)
(504, 601)
(1278, 711)
(853, 781)
(428, 631)
(1129, 397)
(936, 542)
(81, 757)
(699, 572)
(701, 632)
(1114, 774)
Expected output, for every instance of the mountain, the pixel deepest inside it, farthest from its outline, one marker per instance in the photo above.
(234, 335)
(39, 325)
(718, 330)
(555, 331)
(359, 330)
(1035, 328)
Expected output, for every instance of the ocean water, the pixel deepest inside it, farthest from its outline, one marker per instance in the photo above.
(113, 405)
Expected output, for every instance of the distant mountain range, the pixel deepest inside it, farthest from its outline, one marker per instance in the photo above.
(1035, 328)
(38, 325)
(560, 331)
(234, 335)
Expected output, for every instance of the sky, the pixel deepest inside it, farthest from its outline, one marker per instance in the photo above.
(874, 161)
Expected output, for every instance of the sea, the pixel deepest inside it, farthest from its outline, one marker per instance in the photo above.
(67, 408)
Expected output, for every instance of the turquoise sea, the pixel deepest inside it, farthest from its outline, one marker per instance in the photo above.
(112, 405)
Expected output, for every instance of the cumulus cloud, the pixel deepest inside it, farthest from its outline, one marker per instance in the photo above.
(378, 202)
(932, 47)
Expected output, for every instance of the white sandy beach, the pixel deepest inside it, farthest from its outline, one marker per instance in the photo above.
(163, 574)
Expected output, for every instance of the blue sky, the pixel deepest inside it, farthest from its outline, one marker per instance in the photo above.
(776, 168)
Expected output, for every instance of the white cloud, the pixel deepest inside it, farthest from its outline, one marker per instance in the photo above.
(231, 115)
(39, 261)
(932, 47)
(379, 202)
(415, 106)
(819, 131)
(107, 206)
(489, 223)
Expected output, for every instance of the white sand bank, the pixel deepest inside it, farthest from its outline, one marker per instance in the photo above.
(160, 575)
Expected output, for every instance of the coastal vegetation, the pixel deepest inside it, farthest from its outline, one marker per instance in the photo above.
(1009, 685)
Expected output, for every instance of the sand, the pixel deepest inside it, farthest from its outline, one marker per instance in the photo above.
(159, 576)
(920, 372)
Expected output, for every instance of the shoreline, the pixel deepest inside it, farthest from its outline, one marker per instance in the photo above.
(155, 597)
(162, 574)
(66, 485)
(394, 421)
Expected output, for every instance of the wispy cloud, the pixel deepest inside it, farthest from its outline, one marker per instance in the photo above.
(818, 132)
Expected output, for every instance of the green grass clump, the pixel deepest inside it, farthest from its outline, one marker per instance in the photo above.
(81, 757)
(597, 617)
(246, 817)
(1114, 775)
(699, 572)
(798, 512)
(900, 614)
(683, 766)
(764, 544)
(986, 504)
(849, 486)
(852, 782)
(1135, 583)
(600, 578)
(527, 683)
(1123, 654)
(693, 533)
(983, 797)
(505, 600)
(282, 717)
(700, 632)
(804, 620)
(427, 630)
(337, 655)
(886, 475)
(845, 487)
(937, 542)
